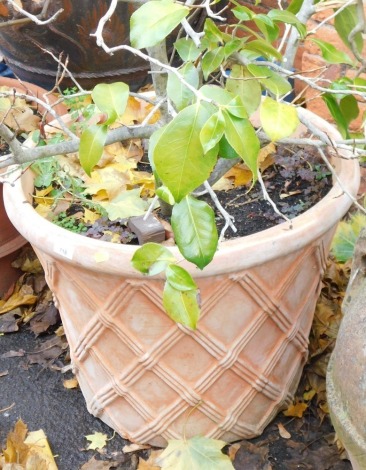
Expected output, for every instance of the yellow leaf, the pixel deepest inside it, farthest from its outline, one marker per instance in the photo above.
(16, 451)
(223, 184)
(18, 299)
(114, 238)
(297, 410)
(40, 452)
(44, 210)
(97, 440)
(90, 216)
(283, 431)
(150, 464)
(41, 196)
(71, 383)
(309, 395)
(60, 331)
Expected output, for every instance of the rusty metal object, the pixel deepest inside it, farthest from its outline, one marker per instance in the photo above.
(149, 230)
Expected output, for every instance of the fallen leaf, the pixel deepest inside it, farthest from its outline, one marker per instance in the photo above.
(296, 410)
(94, 464)
(251, 456)
(4, 373)
(23, 297)
(97, 440)
(197, 453)
(283, 431)
(71, 383)
(233, 449)
(9, 322)
(151, 463)
(134, 447)
(40, 452)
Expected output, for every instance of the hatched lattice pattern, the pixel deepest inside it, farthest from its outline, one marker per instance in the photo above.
(141, 373)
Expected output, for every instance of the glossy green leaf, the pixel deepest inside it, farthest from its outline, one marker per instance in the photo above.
(232, 46)
(344, 241)
(285, 16)
(111, 98)
(242, 13)
(279, 120)
(91, 147)
(344, 22)
(263, 48)
(152, 258)
(212, 131)
(182, 306)
(153, 21)
(226, 150)
(331, 54)
(335, 111)
(178, 155)
(197, 453)
(242, 137)
(195, 231)
(244, 85)
(179, 278)
(165, 195)
(295, 6)
(180, 95)
(229, 101)
(212, 32)
(272, 81)
(349, 108)
(268, 28)
(212, 60)
(187, 49)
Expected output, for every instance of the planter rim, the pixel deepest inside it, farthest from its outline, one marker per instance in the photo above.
(253, 249)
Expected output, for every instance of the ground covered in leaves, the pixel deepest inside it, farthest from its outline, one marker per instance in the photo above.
(38, 387)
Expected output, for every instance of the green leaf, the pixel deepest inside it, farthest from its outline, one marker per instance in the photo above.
(212, 60)
(91, 147)
(229, 101)
(343, 244)
(295, 6)
(126, 204)
(268, 28)
(97, 440)
(279, 120)
(331, 54)
(212, 131)
(242, 83)
(153, 21)
(349, 108)
(212, 32)
(344, 22)
(232, 46)
(197, 453)
(180, 95)
(242, 137)
(111, 98)
(187, 49)
(286, 16)
(181, 306)
(272, 81)
(226, 150)
(178, 155)
(195, 231)
(263, 48)
(152, 258)
(336, 113)
(165, 195)
(242, 13)
(179, 278)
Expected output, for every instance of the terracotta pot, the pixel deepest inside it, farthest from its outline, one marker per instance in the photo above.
(10, 240)
(346, 377)
(140, 372)
(23, 45)
(10, 244)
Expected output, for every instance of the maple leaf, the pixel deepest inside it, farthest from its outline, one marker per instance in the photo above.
(126, 205)
(97, 440)
(197, 453)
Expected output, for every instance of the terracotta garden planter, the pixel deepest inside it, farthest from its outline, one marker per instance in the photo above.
(346, 378)
(140, 372)
(10, 240)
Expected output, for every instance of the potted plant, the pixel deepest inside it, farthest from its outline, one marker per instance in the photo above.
(144, 347)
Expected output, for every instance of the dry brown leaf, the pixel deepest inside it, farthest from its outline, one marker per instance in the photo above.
(94, 464)
(283, 431)
(134, 447)
(150, 464)
(233, 449)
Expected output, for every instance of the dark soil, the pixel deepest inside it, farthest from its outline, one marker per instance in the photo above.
(296, 181)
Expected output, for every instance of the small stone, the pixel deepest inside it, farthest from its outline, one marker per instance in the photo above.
(149, 230)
